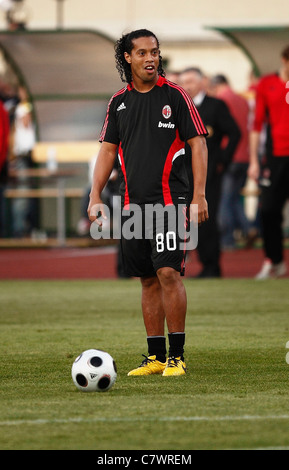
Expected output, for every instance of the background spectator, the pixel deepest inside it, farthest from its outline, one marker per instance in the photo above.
(272, 107)
(232, 215)
(24, 210)
(219, 123)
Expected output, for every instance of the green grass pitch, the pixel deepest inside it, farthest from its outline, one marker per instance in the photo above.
(234, 396)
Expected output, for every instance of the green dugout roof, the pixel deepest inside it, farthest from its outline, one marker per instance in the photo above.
(261, 44)
(70, 75)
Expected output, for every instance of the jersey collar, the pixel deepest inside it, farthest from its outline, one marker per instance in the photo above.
(160, 82)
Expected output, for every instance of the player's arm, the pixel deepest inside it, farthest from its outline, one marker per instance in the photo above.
(102, 171)
(199, 150)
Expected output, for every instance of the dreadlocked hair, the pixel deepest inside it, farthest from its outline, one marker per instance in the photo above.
(125, 44)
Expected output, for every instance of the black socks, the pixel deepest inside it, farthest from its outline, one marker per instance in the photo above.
(177, 343)
(157, 346)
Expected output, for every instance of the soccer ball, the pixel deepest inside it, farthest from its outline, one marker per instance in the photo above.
(94, 371)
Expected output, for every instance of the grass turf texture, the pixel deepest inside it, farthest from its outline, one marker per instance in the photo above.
(235, 394)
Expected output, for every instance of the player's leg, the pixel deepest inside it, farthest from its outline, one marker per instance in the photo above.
(154, 320)
(152, 306)
(164, 251)
(168, 253)
(175, 308)
(137, 262)
(174, 298)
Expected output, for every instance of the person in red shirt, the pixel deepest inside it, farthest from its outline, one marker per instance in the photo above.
(231, 213)
(4, 143)
(272, 108)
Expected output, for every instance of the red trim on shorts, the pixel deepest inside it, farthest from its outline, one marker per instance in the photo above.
(123, 169)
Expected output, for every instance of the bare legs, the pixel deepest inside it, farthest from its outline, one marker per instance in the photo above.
(164, 298)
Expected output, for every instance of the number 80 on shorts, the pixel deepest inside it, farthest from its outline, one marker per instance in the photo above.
(166, 242)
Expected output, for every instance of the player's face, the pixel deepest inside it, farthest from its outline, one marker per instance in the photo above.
(144, 60)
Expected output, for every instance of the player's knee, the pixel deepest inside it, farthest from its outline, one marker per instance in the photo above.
(149, 282)
(167, 275)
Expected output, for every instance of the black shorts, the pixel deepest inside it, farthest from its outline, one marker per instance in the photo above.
(153, 237)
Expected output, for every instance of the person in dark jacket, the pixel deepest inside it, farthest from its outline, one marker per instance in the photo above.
(223, 138)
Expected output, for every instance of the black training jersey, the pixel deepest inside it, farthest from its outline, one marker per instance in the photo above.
(151, 130)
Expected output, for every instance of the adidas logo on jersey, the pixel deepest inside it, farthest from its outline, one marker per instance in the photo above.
(166, 124)
(121, 106)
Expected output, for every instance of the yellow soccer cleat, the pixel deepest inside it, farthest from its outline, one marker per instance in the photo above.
(150, 365)
(175, 366)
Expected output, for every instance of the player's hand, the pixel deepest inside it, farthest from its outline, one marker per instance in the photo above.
(96, 211)
(199, 210)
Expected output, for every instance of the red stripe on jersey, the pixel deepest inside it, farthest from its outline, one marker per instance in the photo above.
(161, 81)
(183, 265)
(192, 108)
(126, 195)
(104, 127)
(177, 145)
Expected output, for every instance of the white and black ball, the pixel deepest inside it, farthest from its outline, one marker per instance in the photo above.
(94, 371)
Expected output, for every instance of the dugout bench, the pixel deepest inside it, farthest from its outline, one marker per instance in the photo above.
(66, 154)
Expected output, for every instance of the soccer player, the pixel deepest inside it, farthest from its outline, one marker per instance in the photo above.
(272, 108)
(148, 123)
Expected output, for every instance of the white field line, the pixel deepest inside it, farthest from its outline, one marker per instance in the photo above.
(132, 419)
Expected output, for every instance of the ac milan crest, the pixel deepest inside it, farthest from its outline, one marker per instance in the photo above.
(167, 112)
